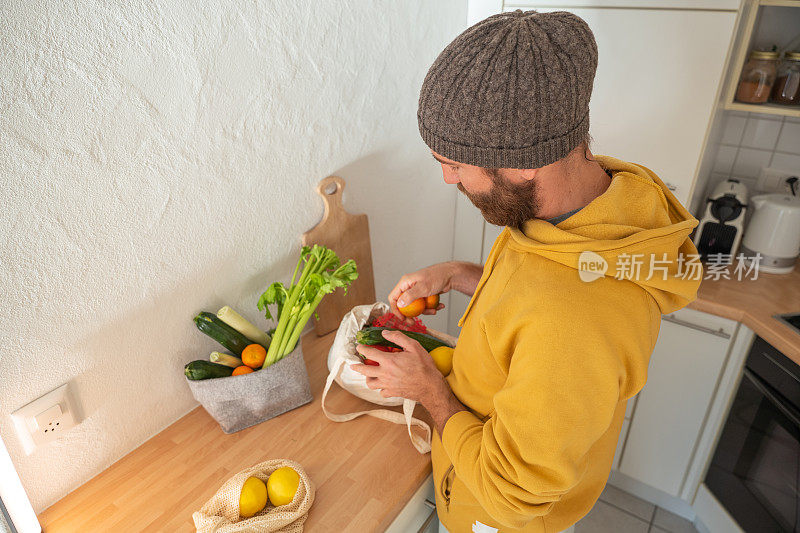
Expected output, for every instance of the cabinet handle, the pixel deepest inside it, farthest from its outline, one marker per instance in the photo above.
(430, 504)
(718, 332)
(428, 520)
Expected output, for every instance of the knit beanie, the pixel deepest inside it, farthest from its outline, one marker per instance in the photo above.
(512, 91)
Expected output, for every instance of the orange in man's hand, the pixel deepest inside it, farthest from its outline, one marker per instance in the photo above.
(413, 309)
(253, 355)
(432, 301)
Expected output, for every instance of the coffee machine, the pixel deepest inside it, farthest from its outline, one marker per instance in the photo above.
(720, 229)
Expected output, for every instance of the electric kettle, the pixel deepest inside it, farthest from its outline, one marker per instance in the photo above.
(774, 232)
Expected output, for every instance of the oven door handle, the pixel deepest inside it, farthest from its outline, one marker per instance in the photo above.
(780, 405)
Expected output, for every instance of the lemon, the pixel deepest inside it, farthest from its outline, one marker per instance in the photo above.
(282, 485)
(253, 497)
(443, 359)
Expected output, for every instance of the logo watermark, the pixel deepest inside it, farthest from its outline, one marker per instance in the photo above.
(591, 266)
(637, 267)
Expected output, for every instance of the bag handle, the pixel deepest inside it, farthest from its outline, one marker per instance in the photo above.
(422, 444)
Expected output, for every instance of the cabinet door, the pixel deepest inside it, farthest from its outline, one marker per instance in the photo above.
(417, 515)
(683, 374)
(657, 81)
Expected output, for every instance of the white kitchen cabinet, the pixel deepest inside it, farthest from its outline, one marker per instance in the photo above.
(419, 514)
(659, 74)
(478, 10)
(623, 435)
(469, 241)
(726, 390)
(684, 373)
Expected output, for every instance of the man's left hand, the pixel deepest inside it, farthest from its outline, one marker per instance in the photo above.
(407, 374)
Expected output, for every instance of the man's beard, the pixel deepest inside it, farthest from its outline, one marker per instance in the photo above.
(506, 204)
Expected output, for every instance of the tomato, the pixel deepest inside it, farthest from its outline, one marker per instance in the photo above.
(388, 349)
(432, 301)
(391, 349)
(390, 320)
(415, 308)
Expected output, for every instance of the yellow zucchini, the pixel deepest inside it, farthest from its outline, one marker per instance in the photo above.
(225, 359)
(243, 326)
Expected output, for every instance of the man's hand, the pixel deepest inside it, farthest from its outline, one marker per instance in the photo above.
(431, 280)
(409, 374)
(435, 279)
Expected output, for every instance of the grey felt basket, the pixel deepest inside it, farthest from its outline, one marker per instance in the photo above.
(238, 402)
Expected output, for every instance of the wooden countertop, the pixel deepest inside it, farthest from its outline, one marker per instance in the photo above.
(754, 303)
(365, 470)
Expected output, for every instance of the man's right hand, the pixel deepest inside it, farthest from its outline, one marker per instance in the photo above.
(435, 279)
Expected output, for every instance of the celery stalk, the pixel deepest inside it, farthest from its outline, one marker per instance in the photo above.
(321, 274)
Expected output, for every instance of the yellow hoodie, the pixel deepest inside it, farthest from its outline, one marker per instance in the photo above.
(546, 362)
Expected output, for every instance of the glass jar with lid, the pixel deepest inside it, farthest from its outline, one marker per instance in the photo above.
(758, 76)
(786, 90)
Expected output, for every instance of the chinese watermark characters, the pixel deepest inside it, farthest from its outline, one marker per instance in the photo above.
(644, 267)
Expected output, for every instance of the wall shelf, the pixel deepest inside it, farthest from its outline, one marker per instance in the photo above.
(767, 109)
(780, 3)
(751, 13)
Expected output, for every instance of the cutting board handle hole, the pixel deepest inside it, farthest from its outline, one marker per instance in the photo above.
(331, 188)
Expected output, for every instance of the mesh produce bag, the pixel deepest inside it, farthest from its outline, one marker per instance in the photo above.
(221, 513)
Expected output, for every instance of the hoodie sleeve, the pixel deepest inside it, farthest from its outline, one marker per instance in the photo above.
(559, 398)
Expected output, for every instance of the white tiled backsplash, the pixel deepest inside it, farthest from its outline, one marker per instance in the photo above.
(751, 141)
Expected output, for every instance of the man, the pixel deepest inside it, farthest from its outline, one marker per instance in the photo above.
(566, 310)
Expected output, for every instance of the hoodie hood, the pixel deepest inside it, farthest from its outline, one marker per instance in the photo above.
(635, 231)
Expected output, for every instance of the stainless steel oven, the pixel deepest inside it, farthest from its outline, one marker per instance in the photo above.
(755, 471)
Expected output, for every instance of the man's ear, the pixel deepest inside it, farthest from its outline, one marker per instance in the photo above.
(528, 174)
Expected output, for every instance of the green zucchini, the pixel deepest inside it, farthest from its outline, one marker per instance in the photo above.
(221, 332)
(374, 336)
(206, 370)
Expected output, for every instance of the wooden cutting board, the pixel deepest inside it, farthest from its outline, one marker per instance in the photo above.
(348, 236)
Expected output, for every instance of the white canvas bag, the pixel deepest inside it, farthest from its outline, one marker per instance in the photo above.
(343, 353)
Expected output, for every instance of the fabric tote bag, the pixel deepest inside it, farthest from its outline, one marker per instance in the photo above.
(343, 353)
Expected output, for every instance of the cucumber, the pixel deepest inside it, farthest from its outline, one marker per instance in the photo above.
(206, 370)
(374, 335)
(221, 332)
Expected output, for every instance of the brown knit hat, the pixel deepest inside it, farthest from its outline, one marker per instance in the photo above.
(512, 91)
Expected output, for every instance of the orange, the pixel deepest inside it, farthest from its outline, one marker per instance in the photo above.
(239, 370)
(432, 301)
(415, 308)
(253, 355)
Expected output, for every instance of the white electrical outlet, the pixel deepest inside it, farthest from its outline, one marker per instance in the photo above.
(46, 418)
(774, 180)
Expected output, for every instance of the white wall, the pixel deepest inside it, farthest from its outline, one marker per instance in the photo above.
(159, 159)
(749, 142)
